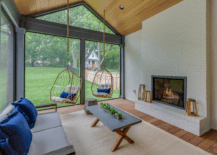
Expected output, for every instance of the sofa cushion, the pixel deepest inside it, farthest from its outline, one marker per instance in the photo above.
(8, 110)
(106, 90)
(65, 95)
(58, 99)
(46, 121)
(47, 141)
(15, 134)
(102, 94)
(2, 117)
(72, 89)
(27, 108)
(6, 147)
(103, 86)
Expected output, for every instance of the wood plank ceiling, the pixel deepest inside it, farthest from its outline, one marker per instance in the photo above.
(124, 21)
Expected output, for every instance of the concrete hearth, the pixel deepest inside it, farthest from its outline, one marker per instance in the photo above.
(174, 116)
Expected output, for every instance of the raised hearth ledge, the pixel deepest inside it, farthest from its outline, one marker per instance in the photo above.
(173, 116)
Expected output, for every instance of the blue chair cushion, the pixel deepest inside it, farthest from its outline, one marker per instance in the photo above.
(65, 95)
(28, 110)
(15, 134)
(107, 90)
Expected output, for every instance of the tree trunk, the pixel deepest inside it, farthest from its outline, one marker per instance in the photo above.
(75, 60)
(99, 57)
(74, 57)
(33, 63)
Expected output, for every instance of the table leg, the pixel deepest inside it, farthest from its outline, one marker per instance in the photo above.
(122, 135)
(95, 122)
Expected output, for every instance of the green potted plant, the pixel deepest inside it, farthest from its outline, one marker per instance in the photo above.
(112, 111)
(106, 107)
(118, 115)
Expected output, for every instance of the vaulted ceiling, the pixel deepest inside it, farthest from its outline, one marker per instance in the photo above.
(124, 21)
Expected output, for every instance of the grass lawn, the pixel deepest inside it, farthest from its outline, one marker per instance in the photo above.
(114, 70)
(38, 82)
(3, 89)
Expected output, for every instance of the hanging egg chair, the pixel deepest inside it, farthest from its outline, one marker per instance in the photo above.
(67, 86)
(102, 85)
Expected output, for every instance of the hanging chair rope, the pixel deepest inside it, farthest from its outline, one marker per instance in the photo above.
(104, 36)
(67, 33)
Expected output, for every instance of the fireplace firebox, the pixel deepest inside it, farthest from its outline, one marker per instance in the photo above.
(170, 90)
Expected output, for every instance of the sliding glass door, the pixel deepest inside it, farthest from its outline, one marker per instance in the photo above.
(6, 61)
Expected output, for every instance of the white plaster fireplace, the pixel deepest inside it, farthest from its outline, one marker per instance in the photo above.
(172, 43)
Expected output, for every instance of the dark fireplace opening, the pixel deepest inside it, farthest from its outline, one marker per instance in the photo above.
(170, 90)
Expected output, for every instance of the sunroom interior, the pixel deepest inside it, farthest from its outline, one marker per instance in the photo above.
(160, 57)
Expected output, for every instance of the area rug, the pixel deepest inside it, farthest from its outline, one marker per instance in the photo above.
(98, 140)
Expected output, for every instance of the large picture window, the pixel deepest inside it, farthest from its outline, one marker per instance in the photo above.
(95, 61)
(6, 61)
(45, 57)
(80, 17)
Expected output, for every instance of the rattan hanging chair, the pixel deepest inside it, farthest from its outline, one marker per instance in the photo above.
(103, 79)
(67, 86)
(68, 82)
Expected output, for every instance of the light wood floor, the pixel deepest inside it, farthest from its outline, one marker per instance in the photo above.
(207, 142)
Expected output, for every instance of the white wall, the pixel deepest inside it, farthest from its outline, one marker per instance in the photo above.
(171, 43)
(214, 63)
(133, 64)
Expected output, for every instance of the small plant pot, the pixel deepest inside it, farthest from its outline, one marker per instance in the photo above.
(118, 117)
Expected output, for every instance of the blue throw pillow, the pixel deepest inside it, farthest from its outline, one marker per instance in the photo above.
(65, 95)
(15, 135)
(28, 110)
(5, 147)
(107, 90)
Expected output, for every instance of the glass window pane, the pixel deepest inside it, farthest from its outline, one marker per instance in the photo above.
(79, 16)
(94, 61)
(6, 62)
(45, 58)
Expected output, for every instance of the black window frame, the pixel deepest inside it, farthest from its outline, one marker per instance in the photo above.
(38, 26)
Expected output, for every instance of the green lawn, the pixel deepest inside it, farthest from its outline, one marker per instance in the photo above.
(3, 89)
(39, 80)
(114, 70)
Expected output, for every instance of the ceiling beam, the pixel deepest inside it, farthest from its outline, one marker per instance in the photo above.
(53, 10)
(50, 28)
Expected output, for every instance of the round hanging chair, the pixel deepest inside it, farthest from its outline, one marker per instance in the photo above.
(102, 85)
(67, 86)
(103, 79)
(66, 82)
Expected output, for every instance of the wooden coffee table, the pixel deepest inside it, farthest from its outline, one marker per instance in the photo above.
(121, 127)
